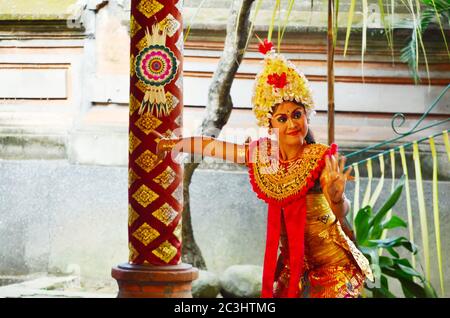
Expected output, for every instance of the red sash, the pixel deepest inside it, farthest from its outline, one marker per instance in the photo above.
(293, 208)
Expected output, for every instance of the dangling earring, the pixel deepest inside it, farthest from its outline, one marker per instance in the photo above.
(270, 131)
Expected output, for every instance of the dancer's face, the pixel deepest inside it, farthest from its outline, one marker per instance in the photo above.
(289, 122)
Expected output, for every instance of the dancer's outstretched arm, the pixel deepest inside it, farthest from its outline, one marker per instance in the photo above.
(205, 146)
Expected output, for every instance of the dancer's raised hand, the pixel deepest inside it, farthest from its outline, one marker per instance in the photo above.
(335, 178)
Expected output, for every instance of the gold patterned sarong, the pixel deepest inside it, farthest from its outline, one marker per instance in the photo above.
(334, 267)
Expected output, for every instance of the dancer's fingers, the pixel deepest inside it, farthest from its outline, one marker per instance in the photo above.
(156, 134)
(328, 163)
(342, 164)
(333, 163)
(347, 173)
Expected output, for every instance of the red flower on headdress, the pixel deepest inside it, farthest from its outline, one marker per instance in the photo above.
(265, 46)
(279, 81)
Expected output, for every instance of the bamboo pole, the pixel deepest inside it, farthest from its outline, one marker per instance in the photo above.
(330, 73)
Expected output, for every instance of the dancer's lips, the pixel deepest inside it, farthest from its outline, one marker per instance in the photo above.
(293, 133)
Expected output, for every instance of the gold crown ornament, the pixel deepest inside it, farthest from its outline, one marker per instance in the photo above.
(278, 81)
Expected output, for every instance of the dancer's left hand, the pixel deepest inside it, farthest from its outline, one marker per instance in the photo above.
(334, 179)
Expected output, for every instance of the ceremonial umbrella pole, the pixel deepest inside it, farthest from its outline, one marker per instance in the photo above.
(330, 72)
(155, 192)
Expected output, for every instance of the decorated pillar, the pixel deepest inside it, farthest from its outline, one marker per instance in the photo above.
(155, 193)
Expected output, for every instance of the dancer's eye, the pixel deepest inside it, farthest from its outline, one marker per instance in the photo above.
(297, 114)
(282, 119)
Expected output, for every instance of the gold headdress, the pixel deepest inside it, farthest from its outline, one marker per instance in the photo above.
(278, 81)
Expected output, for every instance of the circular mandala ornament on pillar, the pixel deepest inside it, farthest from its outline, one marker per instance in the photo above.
(156, 65)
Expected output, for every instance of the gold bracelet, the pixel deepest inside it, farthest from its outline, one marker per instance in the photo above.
(169, 145)
(241, 155)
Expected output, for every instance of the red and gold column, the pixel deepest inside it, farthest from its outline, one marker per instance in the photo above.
(155, 193)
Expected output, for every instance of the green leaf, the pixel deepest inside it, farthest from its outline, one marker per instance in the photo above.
(386, 261)
(388, 242)
(403, 261)
(429, 290)
(371, 253)
(379, 216)
(381, 292)
(409, 287)
(392, 252)
(362, 224)
(393, 223)
(411, 271)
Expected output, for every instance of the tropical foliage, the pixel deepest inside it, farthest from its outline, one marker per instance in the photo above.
(433, 11)
(369, 227)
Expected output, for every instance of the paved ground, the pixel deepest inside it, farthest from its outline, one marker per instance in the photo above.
(54, 287)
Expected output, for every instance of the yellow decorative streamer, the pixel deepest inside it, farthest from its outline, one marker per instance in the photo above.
(369, 182)
(437, 227)
(379, 187)
(356, 197)
(422, 210)
(447, 143)
(408, 203)
(389, 214)
(252, 24)
(272, 21)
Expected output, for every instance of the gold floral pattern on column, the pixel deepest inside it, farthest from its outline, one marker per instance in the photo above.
(149, 7)
(144, 196)
(142, 44)
(172, 102)
(132, 215)
(166, 178)
(142, 87)
(133, 142)
(165, 251)
(134, 104)
(146, 160)
(132, 70)
(134, 26)
(132, 253)
(166, 214)
(132, 177)
(145, 234)
(178, 231)
(147, 122)
(170, 24)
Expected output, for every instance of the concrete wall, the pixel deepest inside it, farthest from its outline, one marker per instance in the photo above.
(57, 217)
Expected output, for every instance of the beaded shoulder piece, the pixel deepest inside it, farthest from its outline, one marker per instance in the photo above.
(281, 182)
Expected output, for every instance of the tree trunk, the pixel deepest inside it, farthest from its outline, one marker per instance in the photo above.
(218, 112)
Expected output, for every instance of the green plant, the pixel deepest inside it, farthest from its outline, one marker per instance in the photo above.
(369, 227)
(433, 11)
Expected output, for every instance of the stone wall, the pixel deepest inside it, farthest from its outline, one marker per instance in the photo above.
(64, 218)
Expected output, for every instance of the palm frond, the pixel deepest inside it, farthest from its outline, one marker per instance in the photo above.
(349, 24)
(286, 19)
(410, 53)
(438, 18)
(252, 24)
(197, 10)
(385, 24)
